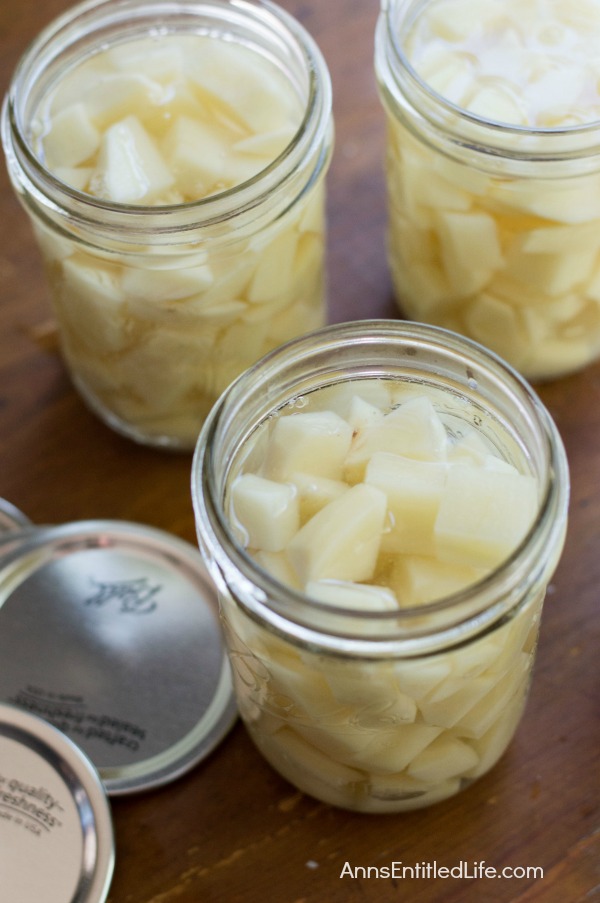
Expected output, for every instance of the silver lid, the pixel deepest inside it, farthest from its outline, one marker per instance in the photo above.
(110, 631)
(56, 835)
(11, 519)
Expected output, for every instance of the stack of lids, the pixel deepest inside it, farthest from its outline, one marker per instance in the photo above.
(113, 679)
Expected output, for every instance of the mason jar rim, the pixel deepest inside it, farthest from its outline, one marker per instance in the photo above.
(488, 135)
(100, 16)
(477, 608)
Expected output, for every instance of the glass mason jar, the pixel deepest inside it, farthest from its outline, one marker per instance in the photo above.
(389, 707)
(494, 223)
(161, 303)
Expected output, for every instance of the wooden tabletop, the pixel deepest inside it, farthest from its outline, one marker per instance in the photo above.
(232, 830)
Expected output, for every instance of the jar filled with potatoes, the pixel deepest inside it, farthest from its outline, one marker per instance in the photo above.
(493, 180)
(381, 526)
(174, 174)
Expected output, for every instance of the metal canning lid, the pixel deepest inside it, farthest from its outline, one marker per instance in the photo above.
(110, 631)
(56, 834)
(11, 519)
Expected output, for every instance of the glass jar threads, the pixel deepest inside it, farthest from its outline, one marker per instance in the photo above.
(172, 159)
(381, 520)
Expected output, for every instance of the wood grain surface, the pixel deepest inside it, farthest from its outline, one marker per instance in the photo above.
(233, 831)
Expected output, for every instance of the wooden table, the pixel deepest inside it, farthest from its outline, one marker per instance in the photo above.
(233, 831)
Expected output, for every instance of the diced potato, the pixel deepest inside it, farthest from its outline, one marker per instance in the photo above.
(315, 492)
(499, 326)
(117, 95)
(413, 489)
(292, 681)
(267, 511)
(413, 430)
(450, 700)
(341, 542)
(355, 596)
(469, 448)
(374, 697)
(446, 757)
(258, 96)
(277, 564)
(275, 263)
(309, 759)
(500, 699)
(130, 168)
(314, 443)
(157, 60)
(418, 678)
(390, 752)
(393, 793)
(499, 104)
(267, 145)
(76, 176)
(453, 20)
(196, 152)
(153, 286)
(363, 414)
(340, 398)
(493, 743)
(470, 250)
(483, 515)
(418, 579)
(91, 301)
(72, 137)
(551, 273)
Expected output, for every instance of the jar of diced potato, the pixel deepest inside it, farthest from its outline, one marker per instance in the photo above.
(172, 159)
(381, 521)
(493, 172)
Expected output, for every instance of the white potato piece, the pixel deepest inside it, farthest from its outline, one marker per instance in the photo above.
(401, 793)
(315, 492)
(389, 752)
(273, 267)
(413, 489)
(196, 152)
(446, 757)
(314, 443)
(418, 678)
(159, 61)
(499, 700)
(355, 596)
(470, 249)
(453, 20)
(419, 579)
(550, 273)
(277, 564)
(117, 94)
(130, 169)
(341, 542)
(493, 743)
(498, 103)
(373, 696)
(291, 681)
(363, 414)
(72, 137)
(91, 305)
(309, 759)
(498, 325)
(483, 515)
(267, 145)
(451, 699)
(250, 89)
(267, 511)
(413, 430)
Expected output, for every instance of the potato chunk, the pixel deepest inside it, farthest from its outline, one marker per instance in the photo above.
(341, 542)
